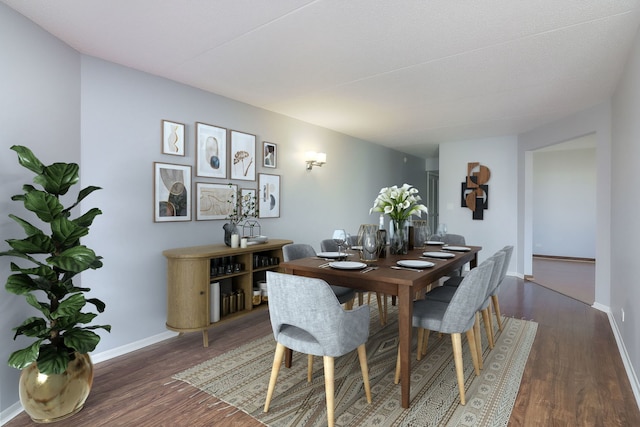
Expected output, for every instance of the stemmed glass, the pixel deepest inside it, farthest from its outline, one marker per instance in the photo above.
(339, 236)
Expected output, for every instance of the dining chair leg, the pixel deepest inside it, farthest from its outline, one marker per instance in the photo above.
(362, 356)
(381, 309)
(349, 304)
(456, 342)
(360, 298)
(309, 367)
(496, 308)
(419, 346)
(473, 350)
(396, 380)
(476, 333)
(487, 327)
(425, 341)
(329, 388)
(277, 362)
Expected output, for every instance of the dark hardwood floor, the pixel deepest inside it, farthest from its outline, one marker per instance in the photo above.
(574, 375)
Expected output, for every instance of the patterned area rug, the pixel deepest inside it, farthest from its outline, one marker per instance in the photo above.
(240, 378)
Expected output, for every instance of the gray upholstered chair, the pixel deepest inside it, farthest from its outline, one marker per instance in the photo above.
(323, 328)
(294, 251)
(329, 245)
(453, 240)
(508, 250)
(446, 293)
(455, 317)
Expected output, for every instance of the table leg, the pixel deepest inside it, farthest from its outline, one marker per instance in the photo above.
(405, 326)
(288, 357)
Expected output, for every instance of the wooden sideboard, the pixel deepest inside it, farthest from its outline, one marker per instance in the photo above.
(192, 270)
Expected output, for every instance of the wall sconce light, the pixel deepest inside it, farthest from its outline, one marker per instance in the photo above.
(315, 159)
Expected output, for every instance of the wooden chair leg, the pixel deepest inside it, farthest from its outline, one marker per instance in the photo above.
(329, 389)
(487, 327)
(396, 380)
(456, 342)
(496, 308)
(425, 341)
(473, 350)
(360, 298)
(362, 356)
(309, 367)
(277, 361)
(476, 333)
(420, 339)
(349, 304)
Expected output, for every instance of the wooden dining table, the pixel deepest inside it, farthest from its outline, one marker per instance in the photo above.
(403, 284)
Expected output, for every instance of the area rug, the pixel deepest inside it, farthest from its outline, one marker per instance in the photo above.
(240, 378)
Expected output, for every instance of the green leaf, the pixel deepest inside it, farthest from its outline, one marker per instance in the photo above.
(22, 358)
(67, 232)
(35, 244)
(52, 359)
(44, 205)
(42, 307)
(27, 159)
(20, 284)
(29, 229)
(87, 219)
(99, 304)
(58, 177)
(33, 327)
(75, 259)
(86, 191)
(69, 307)
(43, 272)
(82, 340)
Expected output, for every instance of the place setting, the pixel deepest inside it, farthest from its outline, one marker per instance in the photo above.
(438, 255)
(412, 265)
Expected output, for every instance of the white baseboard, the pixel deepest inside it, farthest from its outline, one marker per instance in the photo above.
(633, 378)
(10, 413)
(15, 409)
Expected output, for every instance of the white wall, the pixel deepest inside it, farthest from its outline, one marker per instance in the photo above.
(499, 226)
(564, 203)
(69, 107)
(625, 227)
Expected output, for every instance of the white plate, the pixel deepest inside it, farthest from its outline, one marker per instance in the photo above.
(258, 239)
(356, 248)
(457, 248)
(411, 263)
(332, 255)
(434, 242)
(438, 254)
(348, 265)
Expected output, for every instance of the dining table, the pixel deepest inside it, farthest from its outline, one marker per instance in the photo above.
(387, 278)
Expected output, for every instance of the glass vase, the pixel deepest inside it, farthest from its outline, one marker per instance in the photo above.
(229, 229)
(399, 242)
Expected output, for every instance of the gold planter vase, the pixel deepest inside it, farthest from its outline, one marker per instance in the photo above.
(51, 398)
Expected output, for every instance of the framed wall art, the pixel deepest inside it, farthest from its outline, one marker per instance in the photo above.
(211, 151)
(269, 154)
(172, 192)
(269, 195)
(243, 156)
(173, 138)
(215, 201)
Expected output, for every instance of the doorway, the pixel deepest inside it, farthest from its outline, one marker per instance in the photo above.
(433, 181)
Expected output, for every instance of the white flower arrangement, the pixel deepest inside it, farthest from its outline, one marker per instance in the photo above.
(399, 203)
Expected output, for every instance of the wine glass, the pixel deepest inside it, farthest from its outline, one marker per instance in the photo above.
(339, 236)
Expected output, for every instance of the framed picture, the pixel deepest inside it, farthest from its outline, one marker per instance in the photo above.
(172, 192)
(172, 138)
(211, 151)
(248, 202)
(243, 156)
(269, 154)
(269, 195)
(215, 201)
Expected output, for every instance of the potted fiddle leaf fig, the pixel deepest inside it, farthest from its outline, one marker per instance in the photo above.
(62, 334)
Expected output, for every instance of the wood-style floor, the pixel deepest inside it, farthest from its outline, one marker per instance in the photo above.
(574, 375)
(573, 278)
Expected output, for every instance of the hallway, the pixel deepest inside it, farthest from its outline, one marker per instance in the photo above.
(573, 278)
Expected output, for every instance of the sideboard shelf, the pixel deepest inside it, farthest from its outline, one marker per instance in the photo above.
(192, 270)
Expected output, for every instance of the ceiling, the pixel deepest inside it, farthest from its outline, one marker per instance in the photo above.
(407, 74)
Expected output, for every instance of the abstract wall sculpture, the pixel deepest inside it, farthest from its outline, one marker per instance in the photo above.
(475, 190)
